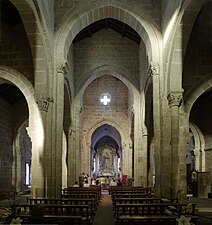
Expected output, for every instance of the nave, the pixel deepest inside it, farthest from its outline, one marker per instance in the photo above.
(116, 206)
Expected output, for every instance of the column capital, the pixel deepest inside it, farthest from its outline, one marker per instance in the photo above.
(153, 69)
(43, 103)
(175, 99)
(62, 67)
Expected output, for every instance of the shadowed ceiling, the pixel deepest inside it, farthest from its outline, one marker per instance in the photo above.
(123, 29)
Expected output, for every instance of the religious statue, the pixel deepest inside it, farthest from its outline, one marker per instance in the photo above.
(106, 158)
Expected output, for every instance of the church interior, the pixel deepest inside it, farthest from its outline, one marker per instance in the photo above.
(116, 88)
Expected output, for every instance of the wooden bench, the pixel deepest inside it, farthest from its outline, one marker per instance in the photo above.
(131, 195)
(84, 190)
(128, 189)
(92, 190)
(147, 213)
(82, 195)
(61, 210)
(139, 201)
(55, 219)
(67, 201)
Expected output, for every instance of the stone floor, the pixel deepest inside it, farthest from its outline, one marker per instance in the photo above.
(104, 214)
(203, 210)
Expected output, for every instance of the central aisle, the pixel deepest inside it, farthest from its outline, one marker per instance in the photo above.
(104, 214)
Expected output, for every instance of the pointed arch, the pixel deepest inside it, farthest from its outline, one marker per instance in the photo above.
(203, 85)
(199, 150)
(144, 26)
(35, 130)
(179, 38)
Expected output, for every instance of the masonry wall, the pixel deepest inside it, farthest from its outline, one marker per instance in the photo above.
(6, 144)
(198, 56)
(94, 112)
(106, 47)
(20, 114)
(168, 8)
(151, 8)
(14, 48)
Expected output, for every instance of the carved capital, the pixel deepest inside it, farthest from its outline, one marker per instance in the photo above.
(62, 68)
(43, 103)
(175, 99)
(153, 69)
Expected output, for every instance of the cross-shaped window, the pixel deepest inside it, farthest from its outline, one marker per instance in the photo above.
(105, 99)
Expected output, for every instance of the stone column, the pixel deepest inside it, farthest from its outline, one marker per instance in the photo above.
(51, 109)
(16, 165)
(125, 159)
(41, 154)
(138, 172)
(154, 73)
(174, 101)
(57, 120)
(74, 157)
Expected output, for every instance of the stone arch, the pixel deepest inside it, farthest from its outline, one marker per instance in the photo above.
(178, 43)
(35, 129)
(37, 40)
(23, 84)
(17, 170)
(144, 26)
(199, 150)
(203, 85)
(88, 137)
(109, 70)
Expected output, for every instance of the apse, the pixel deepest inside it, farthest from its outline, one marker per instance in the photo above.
(106, 152)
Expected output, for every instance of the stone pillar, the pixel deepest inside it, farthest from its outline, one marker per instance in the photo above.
(38, 158)
(154, 73)
(138, 172)
(57, 120)
(125, 159)
(16, 165)
(174, 101)
(74, 157)
(41, 162)
(50, 160)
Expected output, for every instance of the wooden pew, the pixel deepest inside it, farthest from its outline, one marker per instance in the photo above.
(55, 219)
(147, 213)
(62, 211)
(127, 189)
(67, 201)
(130, 195)
(139, 201)
(93, 189)
(82, 196)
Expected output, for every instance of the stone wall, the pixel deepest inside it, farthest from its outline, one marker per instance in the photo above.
(105, 48)
(15, 51)
(199, 51)
(168, 8)
(6, 144)
(93, 111)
